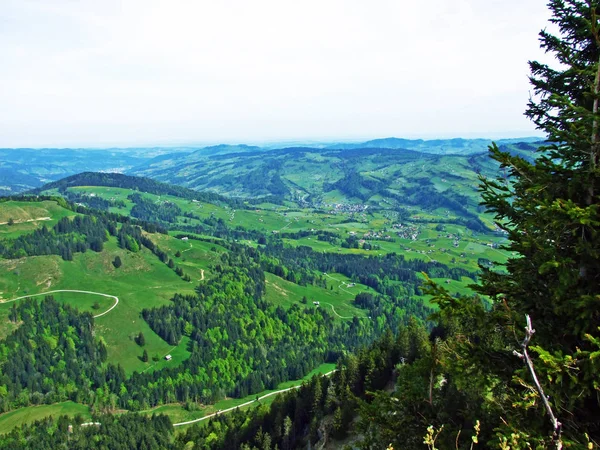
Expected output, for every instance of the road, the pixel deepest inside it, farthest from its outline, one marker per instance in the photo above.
(73, 290)
(243, 404)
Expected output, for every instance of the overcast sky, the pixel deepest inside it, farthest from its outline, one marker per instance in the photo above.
(96, 73)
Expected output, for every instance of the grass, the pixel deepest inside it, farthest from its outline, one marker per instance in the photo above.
(178, 413)
(141, 282)
(431, 245)
(30, 414)
(25, 214)
(285, 293)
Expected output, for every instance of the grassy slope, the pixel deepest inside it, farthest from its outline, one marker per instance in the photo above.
(141, 282)
(16, 418)
(281, 219)
(178, 413)
(24, 215)
(286, 293)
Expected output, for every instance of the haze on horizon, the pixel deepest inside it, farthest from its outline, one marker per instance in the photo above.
(111, 73)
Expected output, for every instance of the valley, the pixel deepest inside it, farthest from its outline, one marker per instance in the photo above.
(317, 243)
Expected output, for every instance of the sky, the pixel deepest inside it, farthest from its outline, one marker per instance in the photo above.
(94, 73)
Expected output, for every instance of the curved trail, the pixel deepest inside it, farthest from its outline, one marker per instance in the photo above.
(73, 290)
(336, 313)
(343, 290)
(340, 286)
(243, 404)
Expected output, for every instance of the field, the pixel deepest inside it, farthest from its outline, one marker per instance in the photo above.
(452, 244)
(17, 218)
(178, 413)
(338, 300)
(333, 221)
(141, 282)
(21, 416)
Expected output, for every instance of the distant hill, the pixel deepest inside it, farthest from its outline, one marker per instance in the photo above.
(457, 146)
(375, 175)
(24, 168)
(119, 180)
(227, 169)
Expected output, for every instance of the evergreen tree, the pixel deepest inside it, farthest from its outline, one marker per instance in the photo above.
(140, 339)
(145, 356)
(117, 262)
(550, 210)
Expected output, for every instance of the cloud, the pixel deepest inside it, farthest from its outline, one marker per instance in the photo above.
(133, 72)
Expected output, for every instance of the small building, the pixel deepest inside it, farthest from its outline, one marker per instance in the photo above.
(168, 357)
(316, 303)
(185, 238)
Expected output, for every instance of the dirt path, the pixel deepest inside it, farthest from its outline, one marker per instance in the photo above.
(242, 405)
(28, 220)
(73, 290)
(340, 286)
(336, 313)
(343, 290)
(201, 274)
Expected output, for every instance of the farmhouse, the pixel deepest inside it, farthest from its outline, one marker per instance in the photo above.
(168, 357)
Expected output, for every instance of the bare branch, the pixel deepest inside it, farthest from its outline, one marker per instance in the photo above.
(556, 425)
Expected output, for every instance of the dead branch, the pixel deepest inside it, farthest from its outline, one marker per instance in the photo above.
(556, 425)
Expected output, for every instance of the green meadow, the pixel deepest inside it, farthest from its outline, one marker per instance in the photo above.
(142, 281)
(30, 414)
(178, 413)
(28, 216)
(337, 298)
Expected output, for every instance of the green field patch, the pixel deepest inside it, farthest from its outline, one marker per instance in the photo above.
(142, 281)
(84, 302)
(178, 413)
(337, 298)
(13, 419)
(28, 216)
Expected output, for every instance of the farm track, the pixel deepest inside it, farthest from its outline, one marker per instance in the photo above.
(26, 221)
(343, 283)
(73, 290)
(243, 404)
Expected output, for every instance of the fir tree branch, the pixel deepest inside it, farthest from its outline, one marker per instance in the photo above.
(556, 425)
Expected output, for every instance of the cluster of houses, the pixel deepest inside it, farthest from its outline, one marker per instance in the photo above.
(407, 231)
(348, 208)
(376, 235)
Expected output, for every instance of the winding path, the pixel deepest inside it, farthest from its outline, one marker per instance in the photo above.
(336, 313)
(343, 290)
(73, 290)
(243, 404)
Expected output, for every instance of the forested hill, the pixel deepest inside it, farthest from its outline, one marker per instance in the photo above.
(148, 185)
(355, 174)
(456, 146)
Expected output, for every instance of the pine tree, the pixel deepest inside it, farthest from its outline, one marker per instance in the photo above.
(550, 210)
(140, 339)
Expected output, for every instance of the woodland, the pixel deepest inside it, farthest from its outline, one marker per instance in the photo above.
(513, 363)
